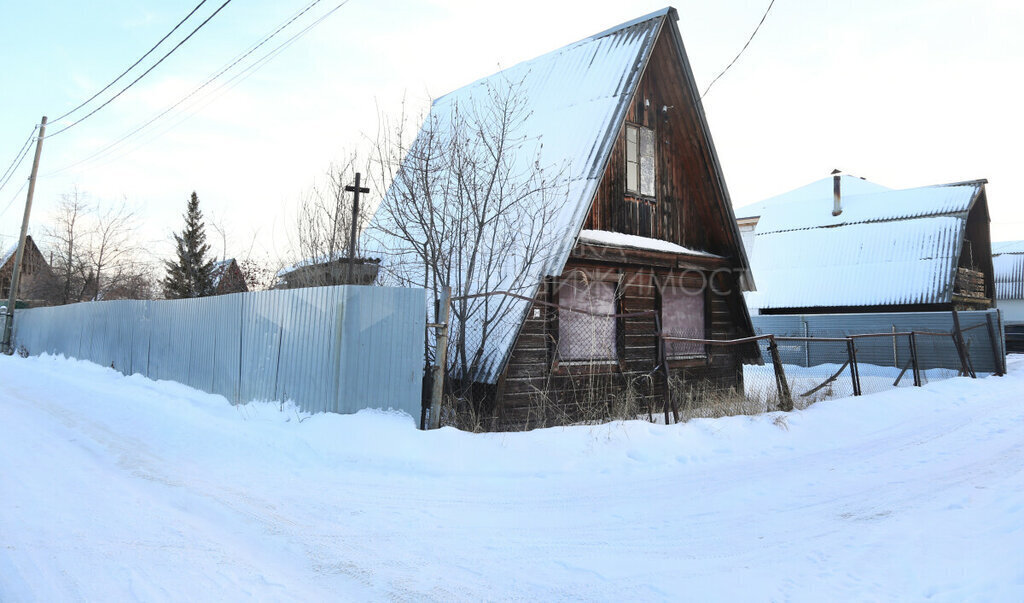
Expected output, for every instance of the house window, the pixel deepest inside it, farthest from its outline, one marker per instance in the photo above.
(584, 336)
(682, 315)
(639, 160)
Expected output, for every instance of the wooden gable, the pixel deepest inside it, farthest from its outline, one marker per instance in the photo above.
(690, 206)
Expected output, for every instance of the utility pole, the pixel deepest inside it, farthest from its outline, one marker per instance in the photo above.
(19, 255)
(355, 189)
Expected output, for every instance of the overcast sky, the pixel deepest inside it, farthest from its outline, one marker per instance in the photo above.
(903, 93)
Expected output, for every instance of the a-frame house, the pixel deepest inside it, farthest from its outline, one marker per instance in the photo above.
(648, 227)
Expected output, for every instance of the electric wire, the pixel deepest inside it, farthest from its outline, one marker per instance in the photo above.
(135, 64)
(18, 159)
(16, 195)
(219, 91)
(144, 73)
(258, 63)
(749, 40)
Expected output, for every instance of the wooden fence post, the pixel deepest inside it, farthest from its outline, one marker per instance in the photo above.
(961, 348)
(913, 359)
(997, 356)
(785, 397)
(440, 356)
(851, 350)
(663, 358)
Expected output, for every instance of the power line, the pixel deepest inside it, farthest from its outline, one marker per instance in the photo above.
(258, 63)
(763, 17)
(144, 74)
(16, 163)
(133, 65)
(16, 195)
(214, 94)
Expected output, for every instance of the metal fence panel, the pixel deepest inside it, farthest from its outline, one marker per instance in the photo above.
(225, 327)
(262, 323)
(381, 344)
(326, 348)
(934, 352)
(308, 366)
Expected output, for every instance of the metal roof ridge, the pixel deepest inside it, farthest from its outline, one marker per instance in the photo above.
(962, 215)
(565, 47)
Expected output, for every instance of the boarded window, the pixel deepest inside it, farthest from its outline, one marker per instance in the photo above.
(583, 336)
(682, 315)
(640, 174)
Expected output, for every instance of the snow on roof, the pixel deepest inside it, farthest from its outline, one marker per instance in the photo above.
(219, 270)
(8, 254)
(618, 239)
(880, 206)
(1001, 247)
(886, 247)
(882, 263)
(577, 97)
(819, 192)
(1008, 264)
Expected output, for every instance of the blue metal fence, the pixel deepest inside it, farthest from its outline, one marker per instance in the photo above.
(933, 351)
(334, 349)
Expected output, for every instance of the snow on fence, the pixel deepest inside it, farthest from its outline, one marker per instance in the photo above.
(328, 349)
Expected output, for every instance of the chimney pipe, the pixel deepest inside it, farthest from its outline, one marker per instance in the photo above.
(837, 198)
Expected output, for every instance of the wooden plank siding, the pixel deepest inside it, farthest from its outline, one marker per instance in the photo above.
(687, 194)
(690, 208)
(538, 390)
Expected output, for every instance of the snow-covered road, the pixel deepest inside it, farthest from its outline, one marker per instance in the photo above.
(115, 488)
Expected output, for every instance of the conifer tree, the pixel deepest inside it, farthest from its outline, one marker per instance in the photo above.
(191, 275)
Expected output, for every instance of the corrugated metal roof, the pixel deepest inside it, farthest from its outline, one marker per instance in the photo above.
(895, 262)
(1009, 274)
(1001, 247)
(818, 192)
(577, 98)
(952, 199)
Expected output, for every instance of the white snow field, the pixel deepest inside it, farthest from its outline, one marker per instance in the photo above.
(120, 488)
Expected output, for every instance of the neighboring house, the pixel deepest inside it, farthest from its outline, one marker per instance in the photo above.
(314, 273)
(647, 222)
(228, 278)
(843, 244)
(1008, 261)
(37, 277)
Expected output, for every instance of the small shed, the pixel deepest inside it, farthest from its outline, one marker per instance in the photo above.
(1008, 262)
(843, 244)
(323, 272)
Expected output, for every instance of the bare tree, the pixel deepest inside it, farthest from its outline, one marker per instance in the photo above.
(95, 255)
(468, 208)
(66, 237)
(323, 225)
(258, 273)
(111, 254)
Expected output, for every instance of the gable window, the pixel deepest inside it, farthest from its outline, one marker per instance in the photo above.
(586, 337)
(682, 315)
(639, 160)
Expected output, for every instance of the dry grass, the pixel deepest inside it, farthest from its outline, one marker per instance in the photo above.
(596, 399)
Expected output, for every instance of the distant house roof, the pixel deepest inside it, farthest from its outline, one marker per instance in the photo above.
(31, 250)
(887, 247)
(8, 254)
(219, 270)
(227, 277)
(576, 99)
(1008, 261)
(814, 192)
